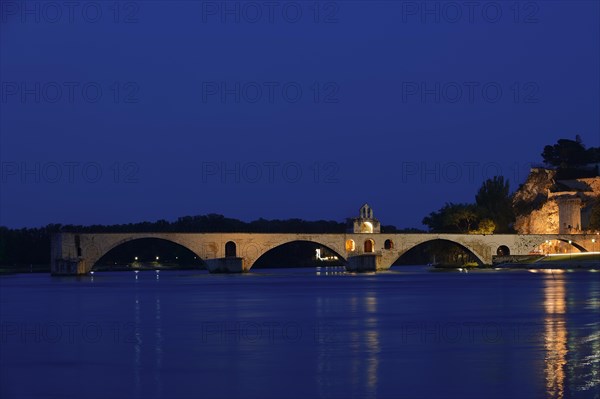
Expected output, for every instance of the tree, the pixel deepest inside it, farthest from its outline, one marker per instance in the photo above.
(453, 218)
(495, 202)
(595, 218)
(464, 217)
(594, 154)
(486, 226)
(566, 154)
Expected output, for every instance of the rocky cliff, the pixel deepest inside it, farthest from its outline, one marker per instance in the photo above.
(537, 202)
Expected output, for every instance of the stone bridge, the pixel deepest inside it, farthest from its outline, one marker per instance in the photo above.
(73, 253)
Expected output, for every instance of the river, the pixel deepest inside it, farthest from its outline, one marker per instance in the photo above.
(301, 333)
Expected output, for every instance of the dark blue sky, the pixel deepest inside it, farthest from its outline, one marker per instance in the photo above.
(159, 109)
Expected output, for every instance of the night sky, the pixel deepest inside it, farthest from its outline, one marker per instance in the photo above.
(131, 111)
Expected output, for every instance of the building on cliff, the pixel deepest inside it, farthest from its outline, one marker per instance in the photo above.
(545, 205)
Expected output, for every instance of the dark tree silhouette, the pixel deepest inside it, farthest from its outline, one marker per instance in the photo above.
(495, 202)
(453, 218)
(569, 154)
(595, 218)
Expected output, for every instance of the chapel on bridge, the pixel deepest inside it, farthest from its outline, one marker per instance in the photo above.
(365, 222)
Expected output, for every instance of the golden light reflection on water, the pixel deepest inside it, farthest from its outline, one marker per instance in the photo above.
(555, 336)
(373, 347)
(363, 347)
(365, 343)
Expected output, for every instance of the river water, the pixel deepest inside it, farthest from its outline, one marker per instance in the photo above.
(301, 333)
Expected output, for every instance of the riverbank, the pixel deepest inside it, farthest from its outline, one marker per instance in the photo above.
(12, 269)
(45, 268)
(557, 261)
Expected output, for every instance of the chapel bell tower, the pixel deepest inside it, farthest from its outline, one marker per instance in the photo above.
(365, 222)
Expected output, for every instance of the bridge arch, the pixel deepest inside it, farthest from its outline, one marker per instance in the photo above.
(503, 250)
(94, 252)
(287, 242)
(478, 256)
(574, 244)
(542, 241)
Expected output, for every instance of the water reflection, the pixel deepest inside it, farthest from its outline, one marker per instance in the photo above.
(147, 337)
(137, 347)
(371, 336)
(158, 349)
(325, 336)
(357, 340)
(555, 336)
(583, 366)
(330, 270)
(572, 360)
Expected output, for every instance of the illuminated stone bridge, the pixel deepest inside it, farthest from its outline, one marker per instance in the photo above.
(363, 249)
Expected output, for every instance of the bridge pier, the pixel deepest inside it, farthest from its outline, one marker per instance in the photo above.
(68, 267)
(229, 264)
(365, 263)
